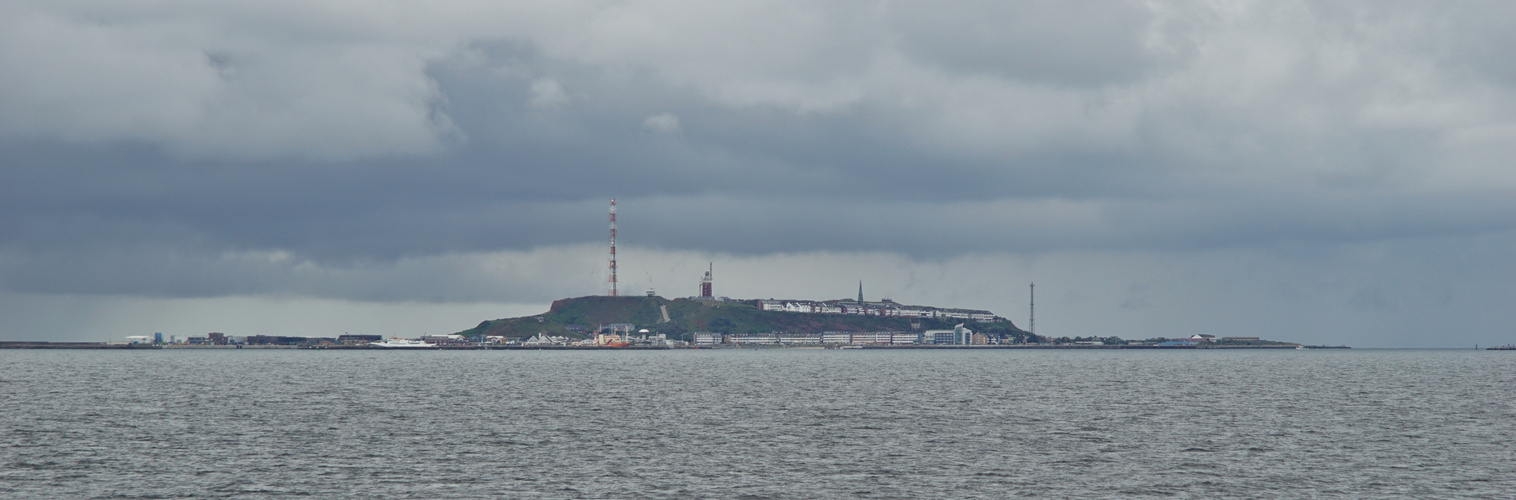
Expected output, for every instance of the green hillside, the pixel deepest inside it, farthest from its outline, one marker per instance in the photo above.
(687, 316)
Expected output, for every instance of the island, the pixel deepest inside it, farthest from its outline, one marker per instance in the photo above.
(652, 322)
(723, 322)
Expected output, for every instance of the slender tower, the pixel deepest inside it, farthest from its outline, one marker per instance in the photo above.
(613, 247)
(1031, 320)
(705, 282)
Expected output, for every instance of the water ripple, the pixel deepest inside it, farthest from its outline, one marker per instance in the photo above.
(756, 424)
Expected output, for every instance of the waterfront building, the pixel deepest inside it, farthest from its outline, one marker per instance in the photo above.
(707, 338)
(937, 337)
(753, 339)
(886, 308)
(272, 340)
(540, 339)
(836, 338)
(346, 339)
(799, 338)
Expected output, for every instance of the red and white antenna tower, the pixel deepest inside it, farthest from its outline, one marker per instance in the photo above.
(613, 247)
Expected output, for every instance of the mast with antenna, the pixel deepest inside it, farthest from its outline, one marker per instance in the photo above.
(1031, 320)
(613, 247)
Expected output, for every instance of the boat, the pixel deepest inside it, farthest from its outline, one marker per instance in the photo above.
(399, 343)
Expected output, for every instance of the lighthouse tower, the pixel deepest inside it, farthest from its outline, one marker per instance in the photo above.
(705, 283)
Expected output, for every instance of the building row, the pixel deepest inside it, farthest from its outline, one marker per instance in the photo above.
(885, 308)
(956, 336)
(217, 338)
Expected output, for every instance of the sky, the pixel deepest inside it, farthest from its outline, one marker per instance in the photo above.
(1318, 172)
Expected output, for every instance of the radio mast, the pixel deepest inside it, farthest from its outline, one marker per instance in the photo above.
(613, 247)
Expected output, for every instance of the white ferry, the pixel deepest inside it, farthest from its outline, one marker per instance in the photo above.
(400, 343)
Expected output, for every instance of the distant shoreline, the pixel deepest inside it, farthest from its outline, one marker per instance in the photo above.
(103, 345)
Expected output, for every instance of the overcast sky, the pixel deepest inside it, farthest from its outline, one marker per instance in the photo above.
(1335, 172)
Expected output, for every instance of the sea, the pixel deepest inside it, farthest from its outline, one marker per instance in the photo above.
(758, 423)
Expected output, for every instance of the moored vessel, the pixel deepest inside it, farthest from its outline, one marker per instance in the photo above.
(399, 343)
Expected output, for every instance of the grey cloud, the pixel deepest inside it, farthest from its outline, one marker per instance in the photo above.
(529, 173)
(1057, 43)
(147, 270)
(201, 84)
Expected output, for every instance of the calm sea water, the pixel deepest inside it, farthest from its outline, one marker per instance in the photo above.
(757, 424)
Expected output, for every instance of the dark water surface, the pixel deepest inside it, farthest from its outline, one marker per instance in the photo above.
(757, 424)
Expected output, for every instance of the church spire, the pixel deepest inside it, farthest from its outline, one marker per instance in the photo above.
(860, 292)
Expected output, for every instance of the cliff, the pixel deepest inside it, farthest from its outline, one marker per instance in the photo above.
(686, 316)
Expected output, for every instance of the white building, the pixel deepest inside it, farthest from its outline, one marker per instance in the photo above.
(962, 336)
(836, 338)
(754, 339)
(798, 338)
(802, 307)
